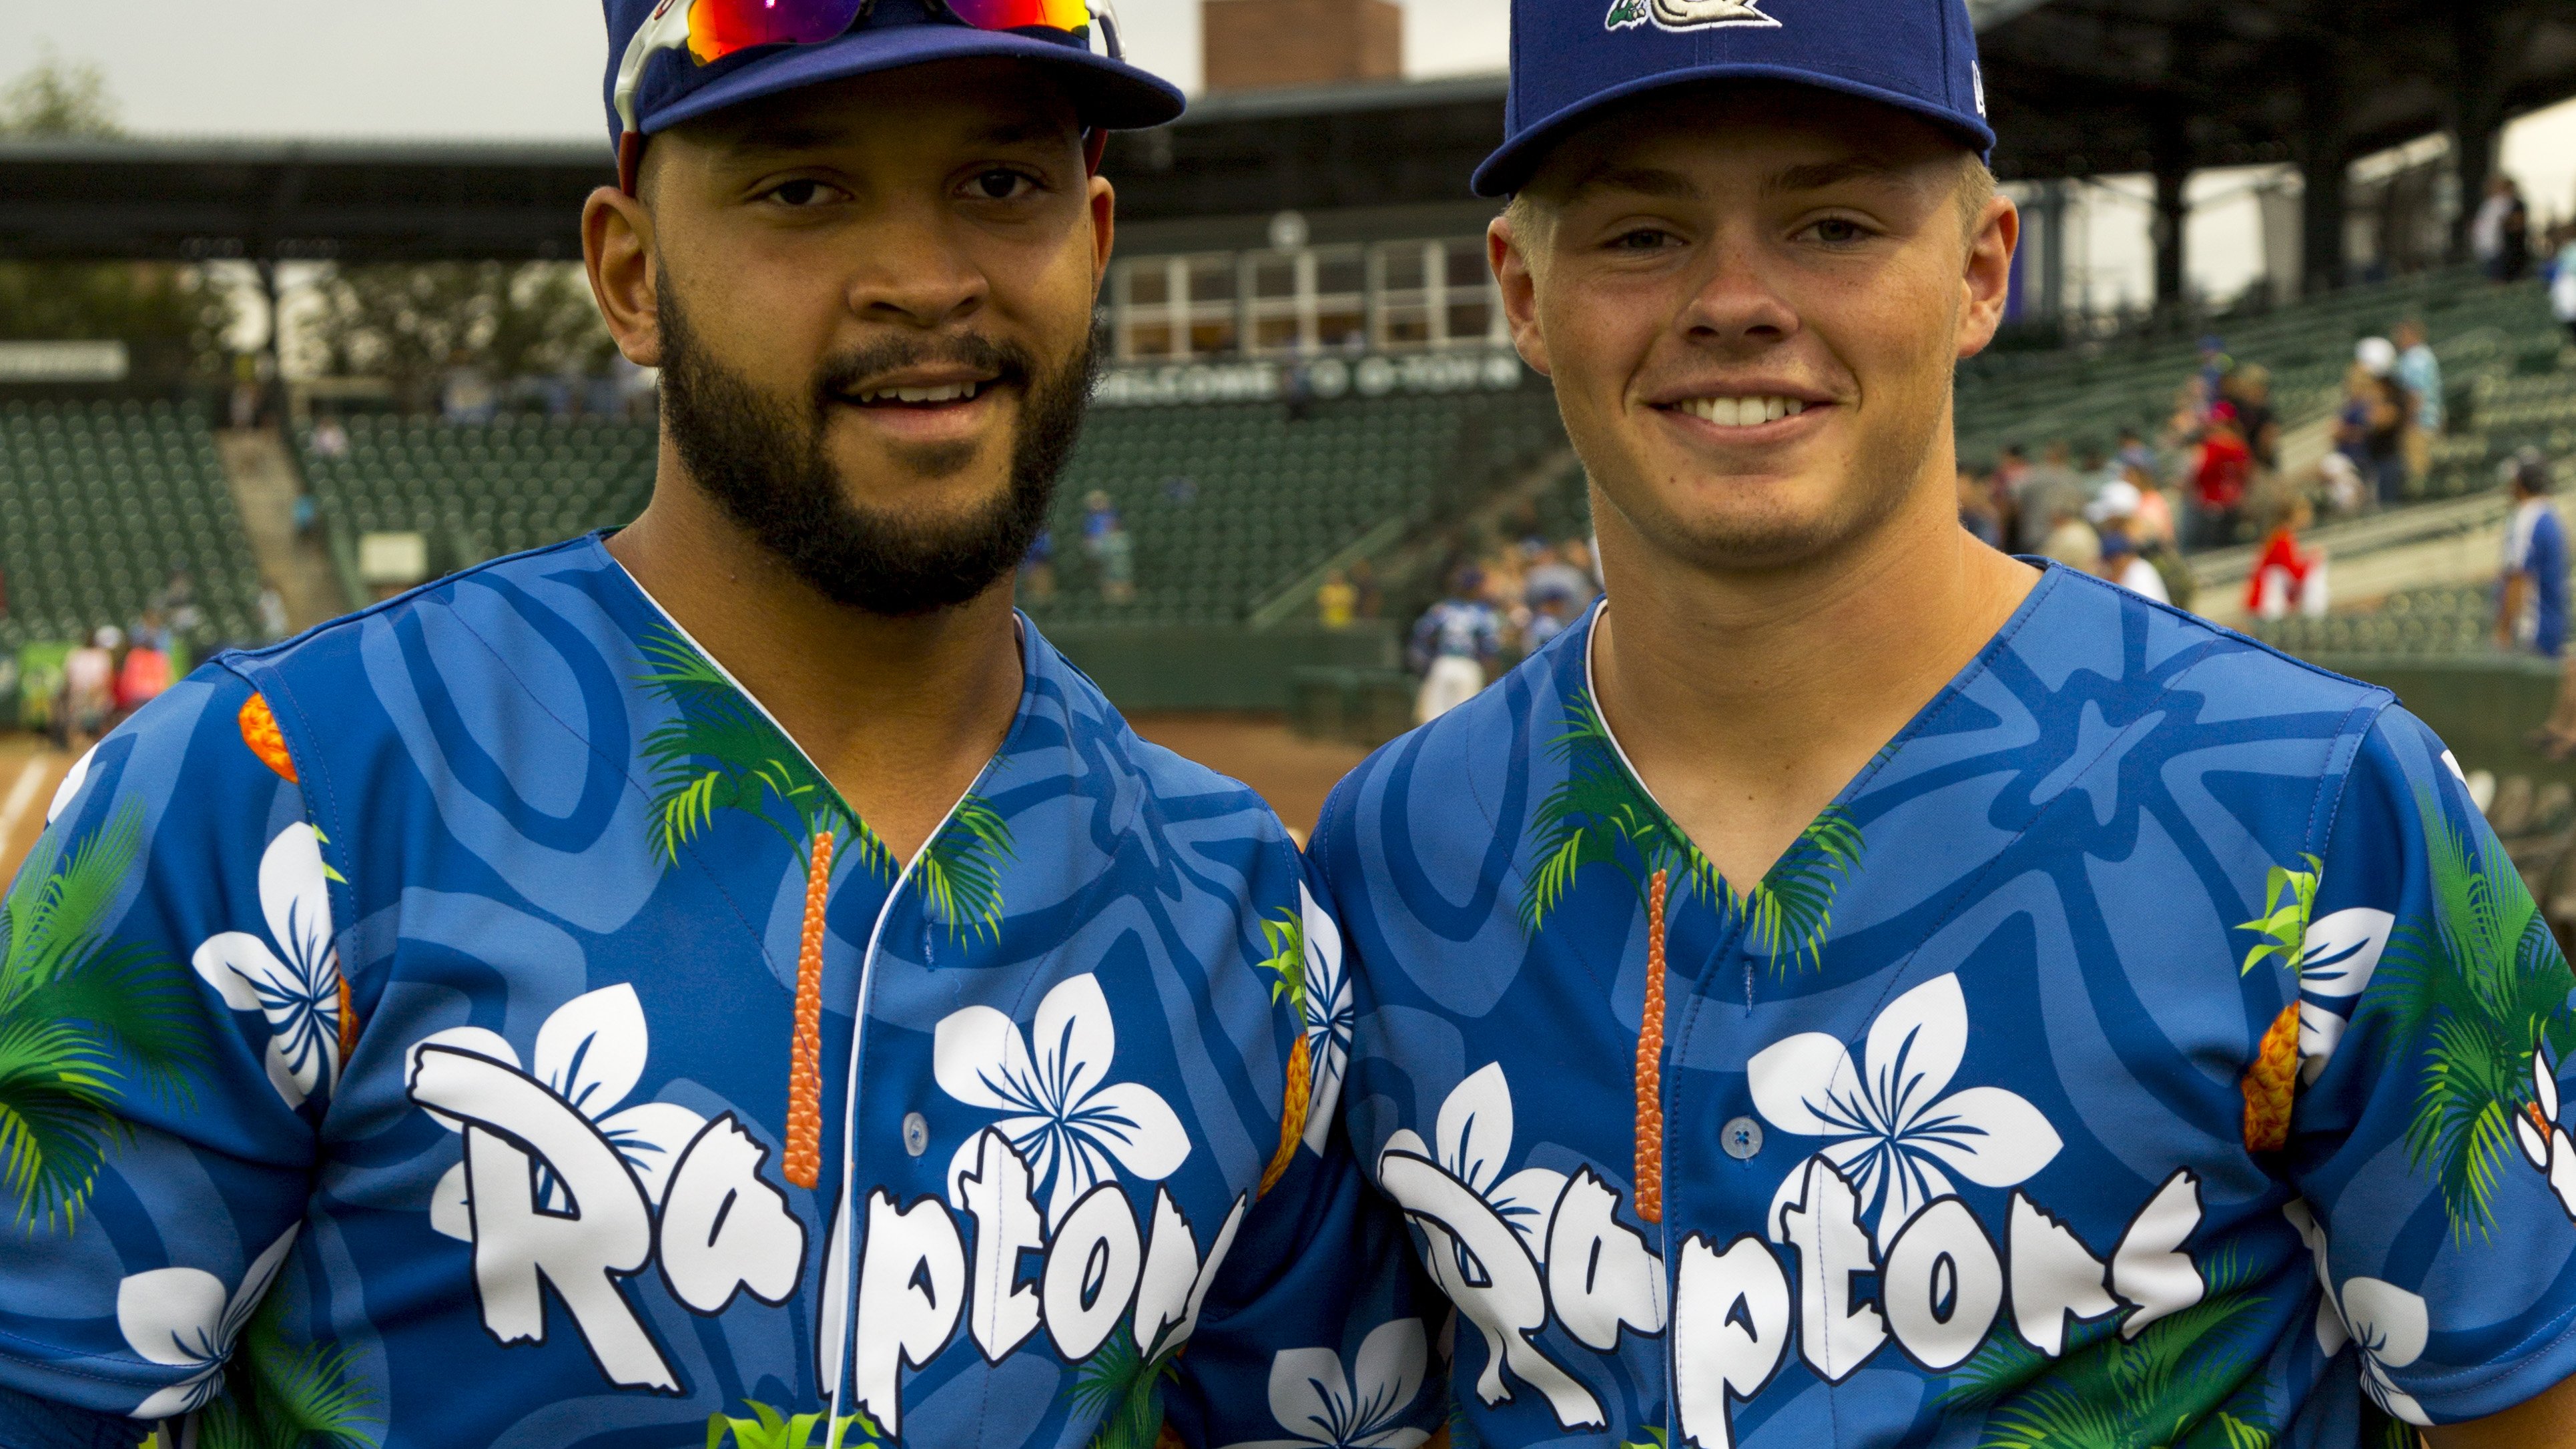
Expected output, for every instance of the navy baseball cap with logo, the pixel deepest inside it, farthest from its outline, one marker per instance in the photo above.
(1570, 58)
(674, 60)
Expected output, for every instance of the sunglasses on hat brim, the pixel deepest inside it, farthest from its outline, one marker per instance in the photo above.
(711, 30)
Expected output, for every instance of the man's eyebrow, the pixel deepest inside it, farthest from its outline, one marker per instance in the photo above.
(1817, 175)
(1641, 180)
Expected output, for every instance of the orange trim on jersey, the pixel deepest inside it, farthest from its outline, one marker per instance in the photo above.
(259, 731)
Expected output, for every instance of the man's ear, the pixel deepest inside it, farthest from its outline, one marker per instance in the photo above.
(1104, 228)
(1507, 252)
(617, 251)
(1986, 283)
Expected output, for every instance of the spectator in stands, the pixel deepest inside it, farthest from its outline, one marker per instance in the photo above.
(1977, 511)
(2500, 234)
(1371, 602)
(89, 687)
(1562, 573)
(1115, 552)
(2134, 456)
(2377, 412)
(306, 515)
(2215, 365)
(1037, 566)
(2284, 575)
(329, 440)
(2220, 478)
(2070, 540)
(1548, 618)
(2114, 515)
(2532, 612)
(2045, 495)
(2340, 484)
(272, 612)
(2562, 283)
(1336, 602)
(2420, 373)
(2249, 390)
(1452, 644)
(145, 671)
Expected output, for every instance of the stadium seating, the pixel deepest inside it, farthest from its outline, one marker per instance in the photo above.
(100, 503)
(1226, 503)
(2450, 621)
(480, 490)
(1229, 504)
(2497, 344)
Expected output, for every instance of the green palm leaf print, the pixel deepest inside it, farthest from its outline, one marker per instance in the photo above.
(719, 752)
(2481, 986)
(1598, 814)
(770, 1429)
(2187, 1379)
(278, 1395)
(79, 1013)
(2289, 898)
(961, 869)
(1122, 1383)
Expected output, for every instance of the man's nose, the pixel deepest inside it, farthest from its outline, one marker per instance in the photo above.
(912, 273)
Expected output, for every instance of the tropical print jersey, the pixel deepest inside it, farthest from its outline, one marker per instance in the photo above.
(475, 1023)
(2149, 1046)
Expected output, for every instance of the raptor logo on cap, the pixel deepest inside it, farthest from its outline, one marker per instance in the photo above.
(1685, 14)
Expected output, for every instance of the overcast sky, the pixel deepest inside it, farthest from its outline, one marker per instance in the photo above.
(517, 68)
(531, 69)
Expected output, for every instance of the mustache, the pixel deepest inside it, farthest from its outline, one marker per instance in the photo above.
(841, 375)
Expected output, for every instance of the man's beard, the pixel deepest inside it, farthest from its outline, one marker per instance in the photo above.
(766, 462)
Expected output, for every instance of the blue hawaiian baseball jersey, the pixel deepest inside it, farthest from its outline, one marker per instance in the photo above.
(2149, 1046)
(476, 1023)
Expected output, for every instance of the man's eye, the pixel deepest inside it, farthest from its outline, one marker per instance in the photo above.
(1839, 231)
(1641, 239)
(802, 193)
(1000, 184)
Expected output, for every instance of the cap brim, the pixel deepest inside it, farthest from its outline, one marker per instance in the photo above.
(1107, 93)
(1512, 164)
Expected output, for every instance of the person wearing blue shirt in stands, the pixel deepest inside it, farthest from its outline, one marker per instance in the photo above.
(2533, 611)
(726, 976)
(1860, 989)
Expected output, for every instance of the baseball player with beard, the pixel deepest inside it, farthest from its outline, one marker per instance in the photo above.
(726, 976)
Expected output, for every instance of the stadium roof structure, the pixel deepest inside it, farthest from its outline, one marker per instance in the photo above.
(352, 201)
(2076, 87)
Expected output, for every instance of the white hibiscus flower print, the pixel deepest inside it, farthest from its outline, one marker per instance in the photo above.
(1330, 1015)
(1475, 1131)
(590, 1053)
(2337, 958)
(1070, 1124)
(70, 788)
(1888, 1127)
(1322, 1407)
(2543, 1136)
(183, 1318)
(295, 983)
(2388, 1324)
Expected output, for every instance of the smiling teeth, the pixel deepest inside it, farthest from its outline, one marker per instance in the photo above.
(1742, 412)
(946, 392)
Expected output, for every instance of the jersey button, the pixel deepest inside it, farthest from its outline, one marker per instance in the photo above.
(916, 1133)
(1741, 1138)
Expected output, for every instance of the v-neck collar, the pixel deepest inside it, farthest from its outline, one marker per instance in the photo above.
(1011, 738)
(1958, 683)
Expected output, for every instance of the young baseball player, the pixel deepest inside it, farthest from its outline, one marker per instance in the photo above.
(728, 976)
(1862, 989)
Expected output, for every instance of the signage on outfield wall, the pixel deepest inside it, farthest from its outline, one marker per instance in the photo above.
(63, 362)
(1326, 377)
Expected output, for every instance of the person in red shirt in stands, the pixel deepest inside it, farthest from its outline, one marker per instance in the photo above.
(2282, 573)
(2219, 483)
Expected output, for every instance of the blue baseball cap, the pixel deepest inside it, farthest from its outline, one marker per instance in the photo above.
(654, 83)
(1570, 58)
